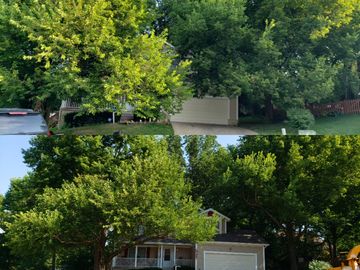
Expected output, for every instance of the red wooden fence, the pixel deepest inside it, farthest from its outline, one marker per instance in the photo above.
(341, 107)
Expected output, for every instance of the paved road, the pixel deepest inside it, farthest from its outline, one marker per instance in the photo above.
(203, 129)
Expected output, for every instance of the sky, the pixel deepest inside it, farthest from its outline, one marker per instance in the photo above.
(11, 158)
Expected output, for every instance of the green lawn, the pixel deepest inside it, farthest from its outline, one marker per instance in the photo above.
(109, 129)
(342, 125)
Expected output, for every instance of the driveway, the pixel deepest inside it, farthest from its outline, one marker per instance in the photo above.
(204, 129)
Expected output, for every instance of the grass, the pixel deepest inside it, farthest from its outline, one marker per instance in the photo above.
(109, 129)
(339, 125)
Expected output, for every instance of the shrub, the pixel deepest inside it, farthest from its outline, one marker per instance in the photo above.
(77, 120)
(186, 268)
(149, 268)
(319, 265)
(300, 118)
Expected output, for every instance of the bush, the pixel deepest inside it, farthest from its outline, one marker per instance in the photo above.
(186, 268)
(75, 120)
(319, 265)
(149, 268)
(300, 118)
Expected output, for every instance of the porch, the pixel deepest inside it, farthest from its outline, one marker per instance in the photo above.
(161, 256)
(69, 106)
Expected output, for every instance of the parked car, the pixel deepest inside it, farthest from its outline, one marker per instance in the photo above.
(14, 121)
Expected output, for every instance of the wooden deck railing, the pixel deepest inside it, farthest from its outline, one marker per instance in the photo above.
(341, 107)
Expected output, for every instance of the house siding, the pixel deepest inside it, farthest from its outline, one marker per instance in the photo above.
(234, 111)
(207, 110)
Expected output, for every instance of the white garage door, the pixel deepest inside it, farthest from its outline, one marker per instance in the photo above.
(207, 110)
(230, 261)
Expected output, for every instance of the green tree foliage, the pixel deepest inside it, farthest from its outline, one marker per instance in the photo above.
(277, 55)
(343, 45)
(207, 167)
(96, 51)
(294, 191)
(299, 74)
(332, 14)
(22, 82)
(146, 200)
(273, 53)
(309, 176)
(213, 34)
(319, 265)
(111, 185)
(175, 147)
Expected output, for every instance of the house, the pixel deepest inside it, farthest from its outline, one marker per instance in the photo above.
(68, 106)
(206, 110)
(242, 250)
(209, 110)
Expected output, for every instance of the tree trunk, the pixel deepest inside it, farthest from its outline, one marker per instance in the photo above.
(333, 247)
(292, 249)
(334, 259)
(108, 265)
(53, 260)
(99, 253)
(269, 108)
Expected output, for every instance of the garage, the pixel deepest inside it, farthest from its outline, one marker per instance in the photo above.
(239, 250)
(229, 261)
(208, 110)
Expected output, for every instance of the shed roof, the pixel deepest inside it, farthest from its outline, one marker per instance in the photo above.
(217, 212)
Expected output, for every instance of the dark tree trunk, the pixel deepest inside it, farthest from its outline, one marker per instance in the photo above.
(292, 249)
(334, 259)
(99, 253)
(333, 247)
(53, 260)
(269, 108)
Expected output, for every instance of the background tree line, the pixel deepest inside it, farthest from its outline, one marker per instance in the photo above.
(277, 55)
(300, 193)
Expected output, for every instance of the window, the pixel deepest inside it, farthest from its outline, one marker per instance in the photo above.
(167, 255)
(131, 252)
(141, 252)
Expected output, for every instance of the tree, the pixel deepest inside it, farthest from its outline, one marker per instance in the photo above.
(342, 44)
(23, 82)
(332, 14)
(147, 199)
(58, 159)
(214, 35)
(175, 147)
(293, 181)
(207, 171)
(100, 52)
(295, 73)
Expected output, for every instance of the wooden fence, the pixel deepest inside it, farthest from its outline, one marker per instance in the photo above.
(341, 107)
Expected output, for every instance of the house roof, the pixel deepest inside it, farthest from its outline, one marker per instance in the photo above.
(168, 241)
(242, 236)
(216, 212)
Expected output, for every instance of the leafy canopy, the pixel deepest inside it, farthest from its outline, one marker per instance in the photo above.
(145, 198)
(100, 52)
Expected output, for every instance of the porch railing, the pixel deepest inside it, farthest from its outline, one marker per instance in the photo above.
(147, 262)
(185, 262)
(68, 104)
(124, 262)
(130, 262)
